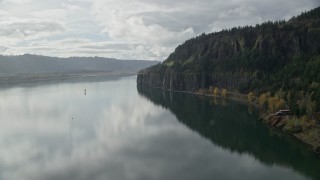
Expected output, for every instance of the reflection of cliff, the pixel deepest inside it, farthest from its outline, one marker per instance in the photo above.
(232, 127)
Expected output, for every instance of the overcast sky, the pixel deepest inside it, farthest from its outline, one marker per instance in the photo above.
(126, 29)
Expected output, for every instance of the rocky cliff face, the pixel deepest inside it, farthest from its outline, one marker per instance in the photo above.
(191, 81)
(241, 58)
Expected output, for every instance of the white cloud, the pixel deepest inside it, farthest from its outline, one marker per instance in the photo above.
(16, 31)
(125, 22)
(20, 2)
(51, 14)
(29, 29)
(165, 24)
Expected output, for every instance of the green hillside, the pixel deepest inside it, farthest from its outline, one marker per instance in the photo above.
(279, 58)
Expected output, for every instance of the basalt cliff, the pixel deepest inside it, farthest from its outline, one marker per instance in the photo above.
(270, 57)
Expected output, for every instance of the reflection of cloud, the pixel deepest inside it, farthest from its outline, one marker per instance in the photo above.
(114, 134)
(117, 125)
(171, 156)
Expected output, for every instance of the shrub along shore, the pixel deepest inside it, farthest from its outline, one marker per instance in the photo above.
(304, 127)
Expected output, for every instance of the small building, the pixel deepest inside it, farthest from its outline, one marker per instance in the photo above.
(283, 112)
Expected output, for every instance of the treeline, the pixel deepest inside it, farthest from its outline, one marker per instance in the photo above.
(282, 58)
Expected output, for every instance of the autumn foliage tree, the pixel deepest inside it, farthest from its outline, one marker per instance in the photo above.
(224, 92)
(276, 103)
(264, 98)
(251, 96)
(216, 91)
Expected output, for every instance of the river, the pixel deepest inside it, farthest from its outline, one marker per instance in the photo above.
(105, 128)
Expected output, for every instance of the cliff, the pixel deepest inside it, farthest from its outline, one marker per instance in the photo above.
(273, 57)
(191, 81)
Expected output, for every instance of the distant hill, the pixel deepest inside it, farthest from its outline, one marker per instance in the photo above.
(34, 64)
(279, 59)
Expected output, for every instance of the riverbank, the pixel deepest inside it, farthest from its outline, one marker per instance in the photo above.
(304, 129)
(57, 76)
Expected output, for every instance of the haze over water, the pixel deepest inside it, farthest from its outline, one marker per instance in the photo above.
(102, 128)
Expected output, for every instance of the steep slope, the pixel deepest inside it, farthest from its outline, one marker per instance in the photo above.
(277, 57)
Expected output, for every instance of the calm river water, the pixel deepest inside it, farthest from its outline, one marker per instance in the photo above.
(108, 129)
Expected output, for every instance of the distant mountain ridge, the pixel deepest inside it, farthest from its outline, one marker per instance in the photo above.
(35, 64)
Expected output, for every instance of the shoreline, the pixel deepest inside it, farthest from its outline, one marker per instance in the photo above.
(59, 76)
(276, 125)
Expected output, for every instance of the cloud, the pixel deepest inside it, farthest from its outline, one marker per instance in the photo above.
(59, 15)
(126, 21)
(177, 16)
(29, 29)
(20, 2)
(169, 23)
(15, 32)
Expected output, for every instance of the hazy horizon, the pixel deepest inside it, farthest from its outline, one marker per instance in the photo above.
(68, 57)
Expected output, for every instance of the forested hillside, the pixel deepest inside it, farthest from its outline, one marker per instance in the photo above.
(277, 62)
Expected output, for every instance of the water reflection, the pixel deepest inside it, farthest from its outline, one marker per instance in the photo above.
(55, 131)
(233, 127)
